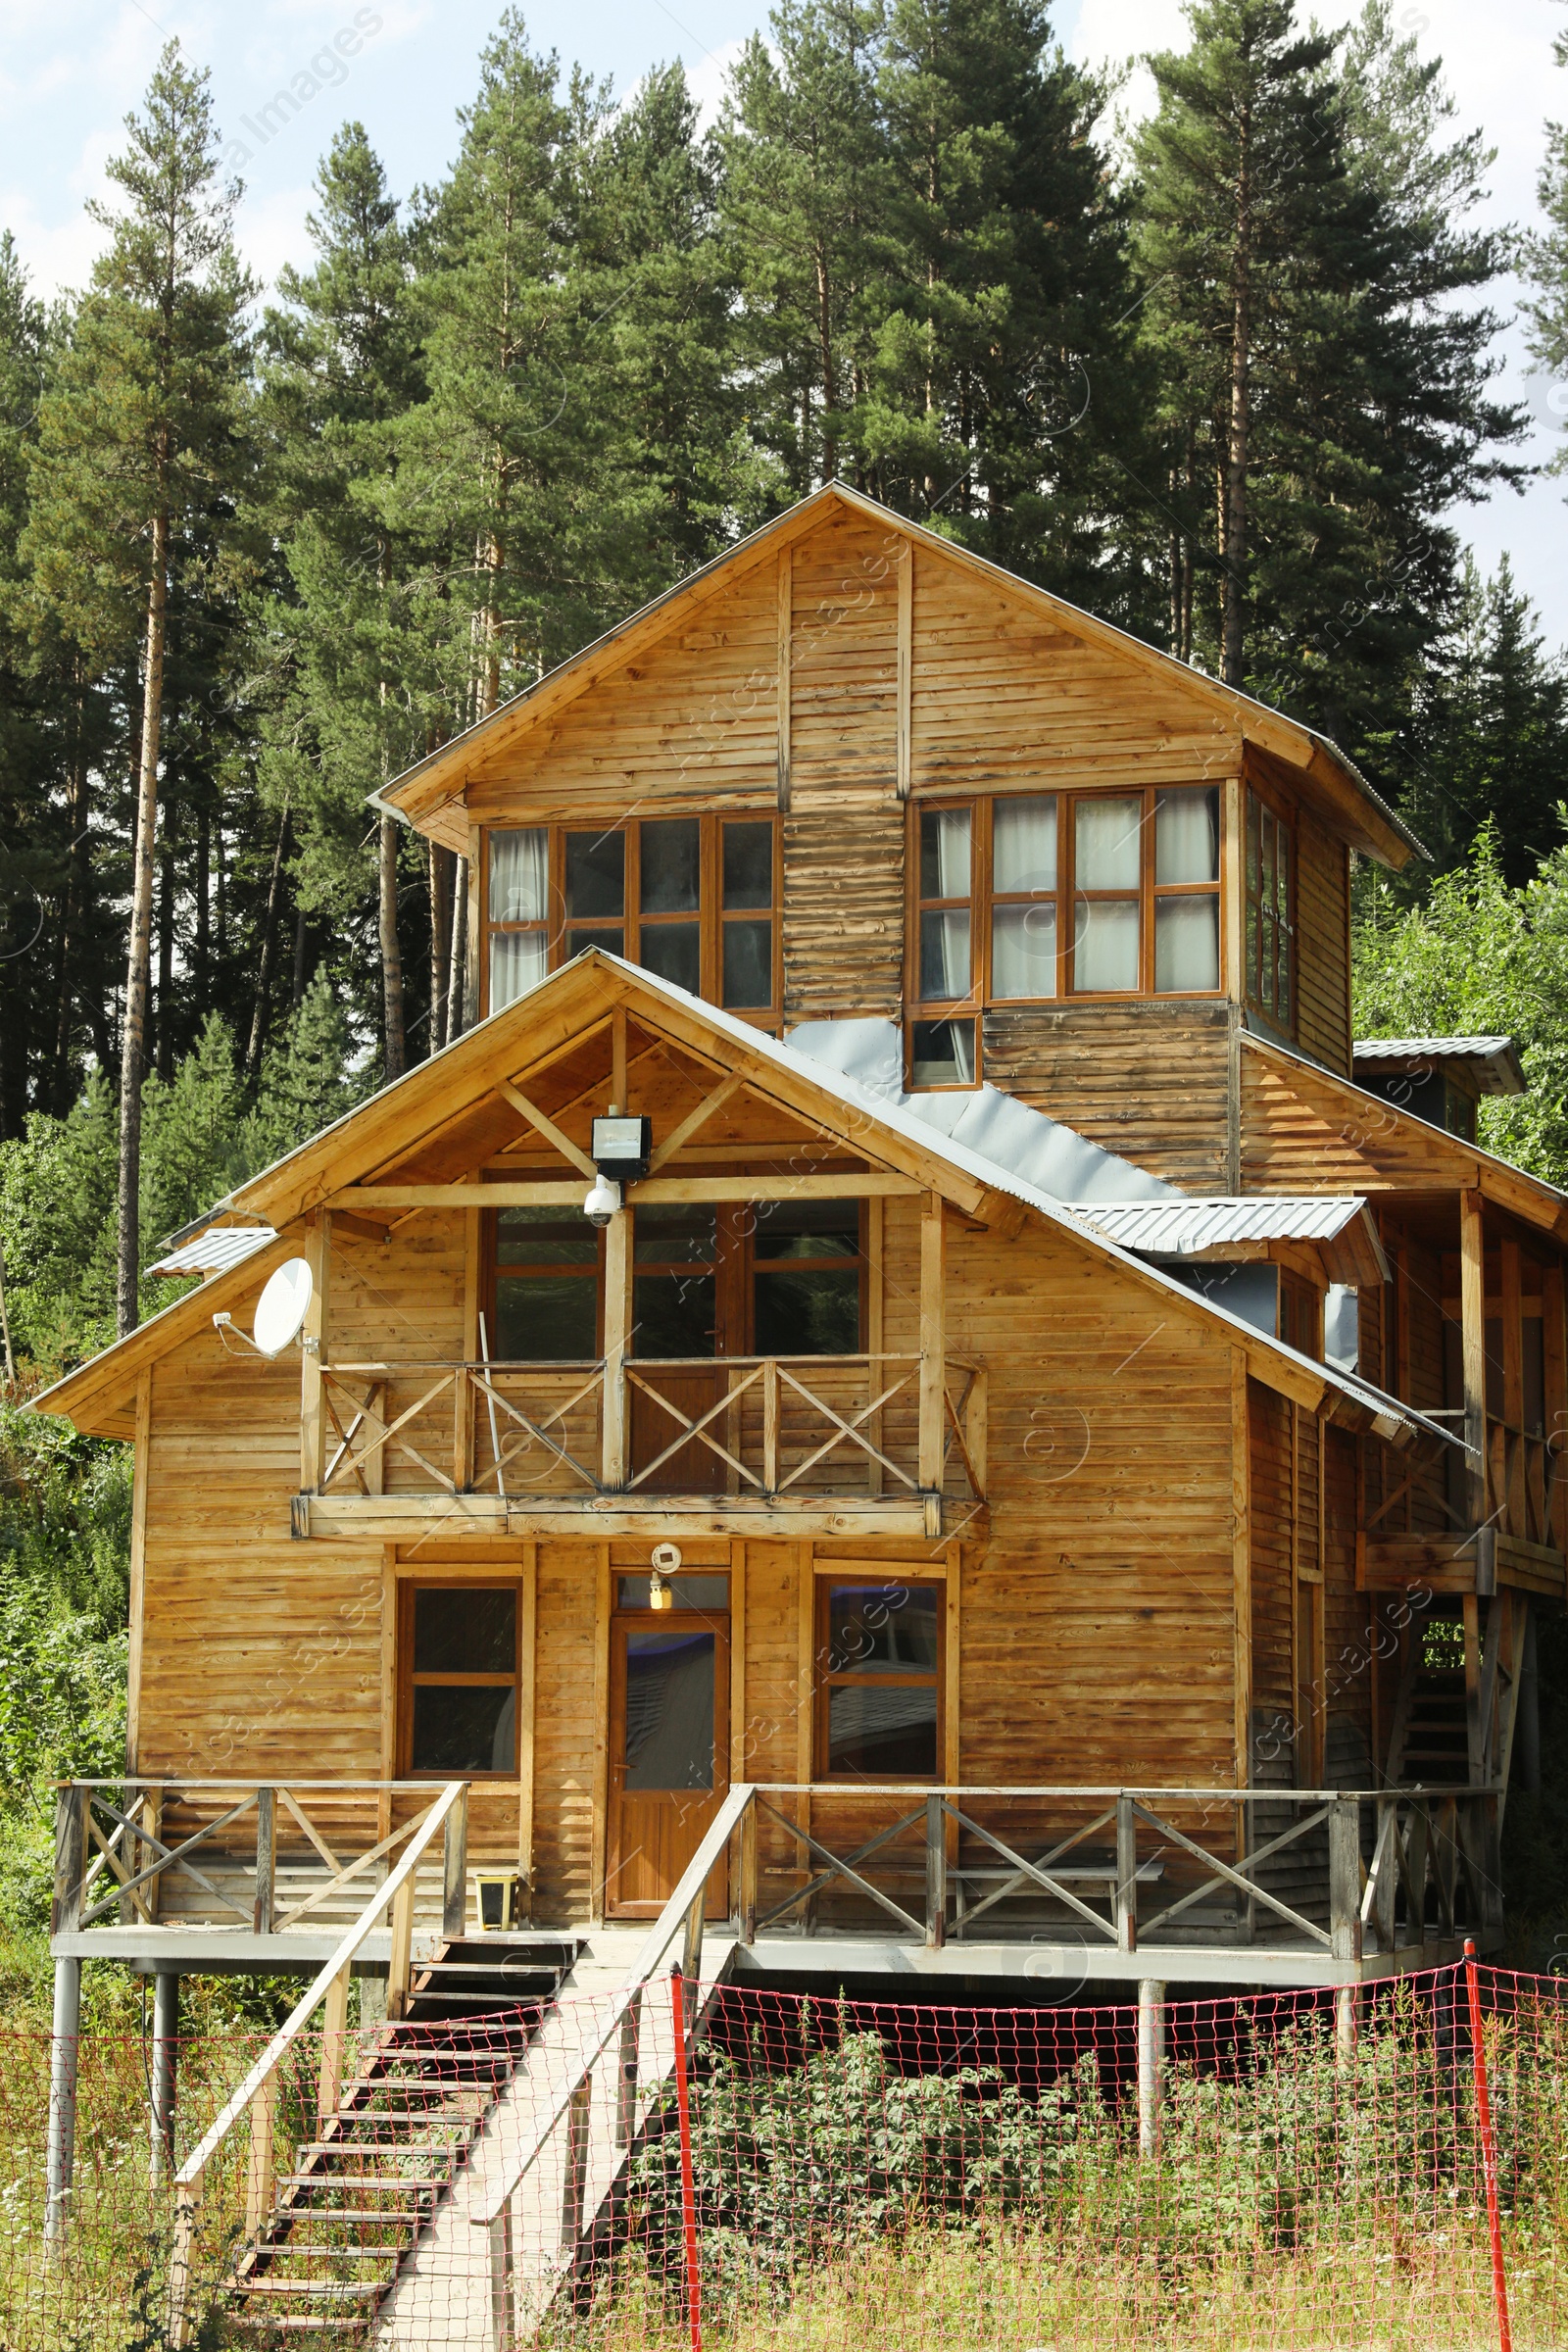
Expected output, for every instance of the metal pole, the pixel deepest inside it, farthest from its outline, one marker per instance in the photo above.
(165, 2054)
(688, 2185)
(64, 2052)
(1488, 2146)
(1150, 2059)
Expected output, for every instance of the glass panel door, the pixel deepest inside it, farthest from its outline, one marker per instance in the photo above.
(668, 1742)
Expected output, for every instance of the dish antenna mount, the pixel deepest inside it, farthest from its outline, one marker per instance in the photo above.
(279, 1311)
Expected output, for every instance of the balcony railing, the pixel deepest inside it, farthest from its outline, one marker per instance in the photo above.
(759, 1429)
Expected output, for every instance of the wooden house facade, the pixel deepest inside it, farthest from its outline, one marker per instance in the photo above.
(1031, 1358)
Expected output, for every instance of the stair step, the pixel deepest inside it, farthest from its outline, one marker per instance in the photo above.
(329, 2289)
(304, 2322)
(404, 2180)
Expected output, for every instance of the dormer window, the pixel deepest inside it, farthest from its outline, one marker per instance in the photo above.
(1034, 897)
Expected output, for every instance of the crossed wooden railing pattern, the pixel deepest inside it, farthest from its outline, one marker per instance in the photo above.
(112, 1854)
(770, 1429)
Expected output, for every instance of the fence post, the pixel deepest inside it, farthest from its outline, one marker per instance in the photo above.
(574, 2188)
(334, 2033)
(936, 1874)
(769, 1426)
(1126, 1875)
(166, 2055)
(1150, 2059)
(1488, 2146)
(71, 1858)
(691, 1958)
(631, 2020)
(455, 1870)
(1345, 1877)
(261, 2168)
(688, 2185)
(500, 2266)
(746, 1907)
(64, 2058)
(398, 1968)
(265, 1859)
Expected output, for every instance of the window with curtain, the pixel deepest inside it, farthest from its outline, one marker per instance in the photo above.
(1029, 896)
(692, 899)
(1270, 912)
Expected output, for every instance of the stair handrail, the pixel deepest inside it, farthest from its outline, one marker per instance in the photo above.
(670, 1922)
(397, 1888)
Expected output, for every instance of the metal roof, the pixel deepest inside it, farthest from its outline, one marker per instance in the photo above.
(215, 1251)
(1494, 1061)
(1176, 1228)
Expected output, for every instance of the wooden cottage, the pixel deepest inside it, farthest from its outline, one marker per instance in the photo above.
(1027, 1376)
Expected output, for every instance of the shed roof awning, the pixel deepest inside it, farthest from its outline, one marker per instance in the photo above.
(1339, 1223)
(215, 1251)
(1491, 1063)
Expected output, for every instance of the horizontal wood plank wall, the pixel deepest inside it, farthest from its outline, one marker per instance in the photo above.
(1302, 1133)
(402, 1300)
(1322, 943)
(1148, 1081)
(563, 1730)
(1273, 1583)
(1002, 698)
(696, 714)
(844, 833)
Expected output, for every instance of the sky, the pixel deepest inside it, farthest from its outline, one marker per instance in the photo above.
(69, 70)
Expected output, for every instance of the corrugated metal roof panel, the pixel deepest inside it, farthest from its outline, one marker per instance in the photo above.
(1385, 1048)
(1174, 1228)
(215, 1251)
(1492, 1064)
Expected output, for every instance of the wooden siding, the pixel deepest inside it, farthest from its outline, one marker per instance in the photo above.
(843, 907)
(1000, 697)
(1272, 1442)
(1347, 1643)
(1302, 1133)
(1148, 1081)
(1322, 945)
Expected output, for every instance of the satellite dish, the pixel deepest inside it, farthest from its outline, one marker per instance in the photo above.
(280, 1308)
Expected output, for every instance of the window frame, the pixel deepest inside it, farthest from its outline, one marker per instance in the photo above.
(407, 1682)
(491, 1278)
(1266, 799)
(826, 1681)
(983, 899)
(750, 1268)
(711, 915)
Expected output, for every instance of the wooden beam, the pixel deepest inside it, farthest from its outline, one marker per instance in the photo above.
(317, 1254)
(904, 759)
(952, 1748)
(547, 1127)
(875, 1227)
(600, 1793)
(389, 1689)
(854, 1184)
(805, 1683)
(527, 1642)
(1473, 1347)
(616, 1413)
(737, 1661)
(462, 1387)
(1554, 1367)
(617, 1059)
(785, 636)
(138, 1563)
(693, 1119)
(1242, 1566)
(933, 1343)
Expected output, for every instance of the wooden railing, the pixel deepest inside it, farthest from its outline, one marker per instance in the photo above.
(255, 2101)
(115, 1851)
(777, 1425)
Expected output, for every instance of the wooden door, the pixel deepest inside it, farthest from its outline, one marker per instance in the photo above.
(668, 1753)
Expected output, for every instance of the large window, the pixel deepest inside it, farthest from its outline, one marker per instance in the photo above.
(1270, 913)
(459, 1672)
(805, 1278)
(694, 899)
(546, 1286)
(879, 1680)
(1051, 894)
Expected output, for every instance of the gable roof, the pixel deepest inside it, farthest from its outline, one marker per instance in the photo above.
(429, 795)
(523, 1035)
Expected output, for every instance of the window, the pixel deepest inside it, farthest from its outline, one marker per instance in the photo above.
(674, 1289)
(546, 1286)
(1039, 896)
(459, 1679)
(879, 1706)
(1270, 913)
(805, 1278)
(694, 899)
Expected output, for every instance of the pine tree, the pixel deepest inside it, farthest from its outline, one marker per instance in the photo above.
(139, 444)
(1545, 259)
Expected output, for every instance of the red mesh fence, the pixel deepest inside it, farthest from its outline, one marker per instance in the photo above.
(1284, 2171)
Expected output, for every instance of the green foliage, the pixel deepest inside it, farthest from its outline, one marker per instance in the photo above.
(1478, 957)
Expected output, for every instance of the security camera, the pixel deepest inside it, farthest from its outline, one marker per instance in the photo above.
(604, 1198)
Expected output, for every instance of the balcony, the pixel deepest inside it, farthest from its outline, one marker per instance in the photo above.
(829, 1445)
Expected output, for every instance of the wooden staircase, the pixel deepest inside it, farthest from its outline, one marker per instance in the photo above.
(352, 2212)
(1430, 1741)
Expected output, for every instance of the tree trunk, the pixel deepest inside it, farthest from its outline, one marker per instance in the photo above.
(460, 947)
(395, 1047)
(296, 993)
(264, 977)
(133, 1034)
(830, 390)
(74, 927)
(1234, 548)
(164, 1007)
(202, 961)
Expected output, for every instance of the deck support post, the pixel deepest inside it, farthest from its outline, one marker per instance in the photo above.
(165, 2066)
(400, 1965)
(1126, 1904)
(1151, 2061)
(936, 1874)
(266, 1860)
(575, 2187)
(64, 2055)
(631, 2020)
(616, 1450)
(746, 1904)
(1473, 1349)
(455, 1870)
(335, 2038)
(1346, 2012)
(933, 1346)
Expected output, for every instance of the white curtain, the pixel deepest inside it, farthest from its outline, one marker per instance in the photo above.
(944, 1054)
(1187, 836)
(1106, 947)
(1186, 944)
(945, 848)
(945, 955)
(1106, 842)
(1023, 949)
(517, 961)
(519, 875)
(1023, 844)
